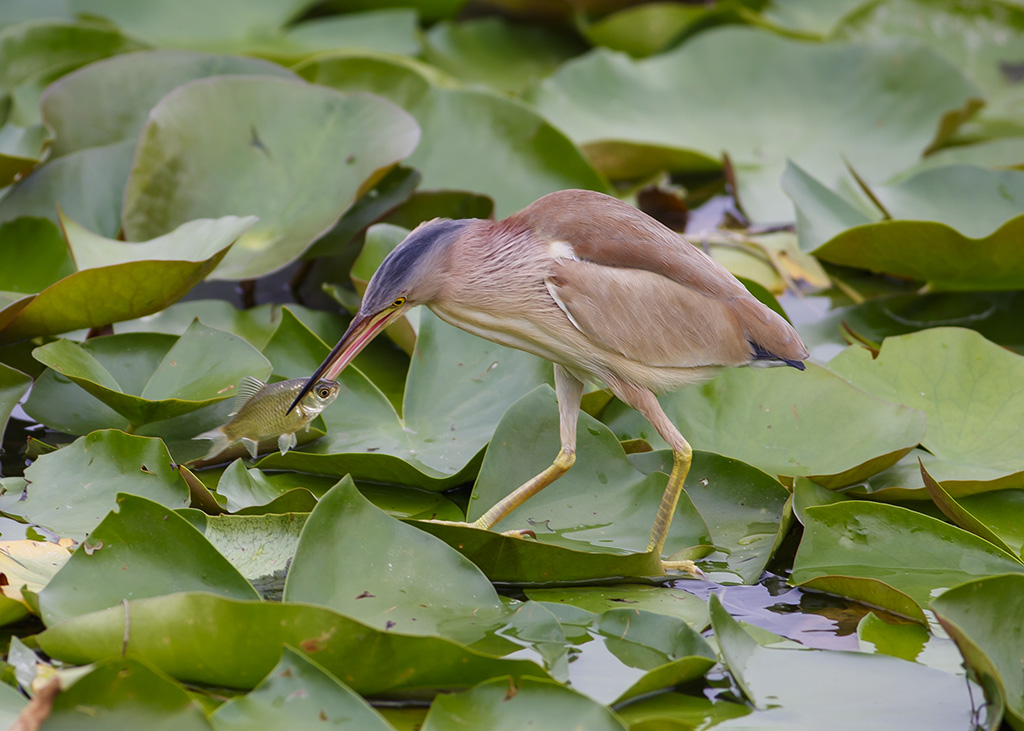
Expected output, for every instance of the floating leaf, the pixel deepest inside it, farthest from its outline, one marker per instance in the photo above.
(69, 491)
(934, 231)
(534, 157)
(528, 703)
(745, 510)
(142, 79)
(297, 692)
(965, 385)
(368, 565)
(140, 550)
(784, 422)
(260, 547)
(799, 92)
(975, 615)
(87, 185)
(27, 565)
(912, 553)
(780, 683)
(646, 29)
(151, 377)
(458, 387)
(235, 644)
(654, 599)
(28, 275)
(123, 694)
(21, 149)
(13, 386)
(274, 133)
(678, 711)
(136, 279)
(507, 57)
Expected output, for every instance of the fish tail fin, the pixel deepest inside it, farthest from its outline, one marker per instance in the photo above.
(219, 441)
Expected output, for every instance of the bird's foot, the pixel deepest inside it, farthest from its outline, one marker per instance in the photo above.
(687, 566)
(480, 526)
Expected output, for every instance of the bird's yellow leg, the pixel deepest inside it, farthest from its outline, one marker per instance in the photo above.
(524, 492)
(569, 390)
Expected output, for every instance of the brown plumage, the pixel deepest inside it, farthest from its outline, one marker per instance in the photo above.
(595, 286)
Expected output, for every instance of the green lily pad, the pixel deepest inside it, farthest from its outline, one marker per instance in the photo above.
(505, 56)
(11, 703)
(534, 157)
(235, 644)
(275, 133)
(745, 510)
(915, 554)
(933, 231)
(654, 599)
(69, 491)
(137, 279)
(35, 53)
(358, 561)
(87, 185)
(593, 523)
(799, 92)
(781, 683)
(28, 275)
(644, 30)
(678, 712)
(123, 694)
(784, 422)
(13, 385)
(975, 615)
(297, 692)
(143, 549)
(390, 30)
(151, 377)
(458, 387)
(26, 566)
(529, 703)
(142, 79)
(193, 23)
(21, 149)
(965, 385)
(997, 515)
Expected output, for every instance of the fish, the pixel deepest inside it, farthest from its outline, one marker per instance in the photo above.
(261, 412)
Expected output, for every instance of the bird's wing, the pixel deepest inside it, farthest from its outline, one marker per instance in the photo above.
(606, 232)
(647, 318)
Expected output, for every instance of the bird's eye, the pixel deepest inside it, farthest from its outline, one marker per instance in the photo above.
(398, 302)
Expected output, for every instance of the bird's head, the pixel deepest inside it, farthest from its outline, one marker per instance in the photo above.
(412, 274)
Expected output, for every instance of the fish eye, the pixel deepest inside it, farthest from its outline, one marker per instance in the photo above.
(398, 302)
(323, 392)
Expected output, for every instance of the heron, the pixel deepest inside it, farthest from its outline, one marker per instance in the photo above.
(599, 288)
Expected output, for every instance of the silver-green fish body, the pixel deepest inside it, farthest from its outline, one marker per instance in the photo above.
(261, 412)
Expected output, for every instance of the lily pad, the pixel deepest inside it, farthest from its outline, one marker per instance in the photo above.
(137, 279)
(534, 157)
(801, 94)
(235, 644)
(87, 185)
(151, 377)
(654, 599)
(964, 384)
(69, 491)
(910, 552)
(358, 561)
(529, 703)
(784, 422)
(122, 694)
(505, 56)
(745, 510)
(933, 231)
(29, 566)
(13, 386)
(678, 712)
(297, 692)
(781, 684)
(260, 547)
(644, 30)
(35, 53)
(142, 549)
(997, 515)
(142, 79)
(458, 387)
(21, 149)
(975, 615)
(275, 133)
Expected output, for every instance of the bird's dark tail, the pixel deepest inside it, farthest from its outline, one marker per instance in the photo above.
(761, 354)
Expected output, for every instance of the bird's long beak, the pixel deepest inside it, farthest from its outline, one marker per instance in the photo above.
(361, 331)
